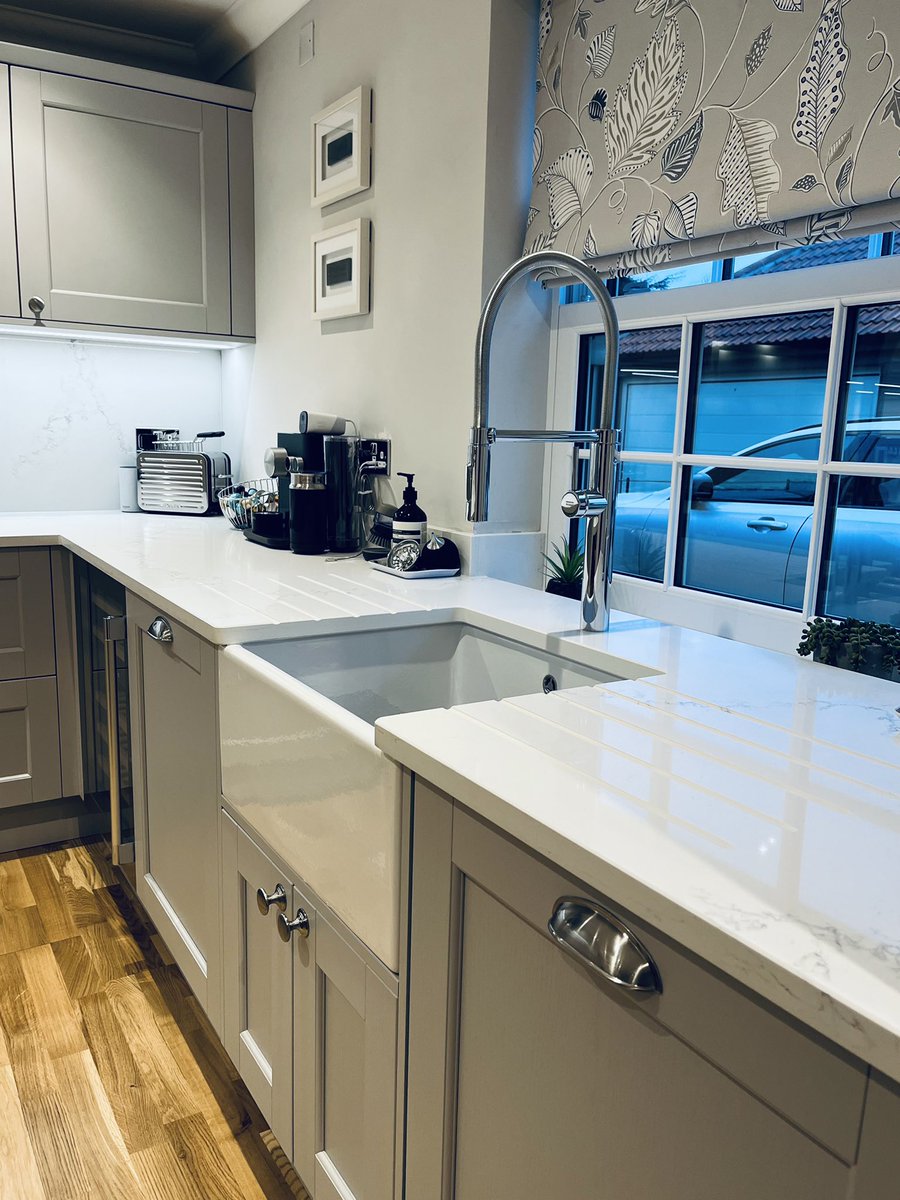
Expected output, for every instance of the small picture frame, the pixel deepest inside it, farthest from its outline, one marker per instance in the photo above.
(341, 266)
(342, 148)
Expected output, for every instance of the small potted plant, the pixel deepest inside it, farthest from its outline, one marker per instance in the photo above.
(821, 638)
(864, 646)
(565, 570)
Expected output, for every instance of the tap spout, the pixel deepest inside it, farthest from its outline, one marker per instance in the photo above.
(603, 439)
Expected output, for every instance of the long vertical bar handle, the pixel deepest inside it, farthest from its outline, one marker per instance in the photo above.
(113, 633)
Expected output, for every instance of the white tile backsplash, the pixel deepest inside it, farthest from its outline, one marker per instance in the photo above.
(69, 409)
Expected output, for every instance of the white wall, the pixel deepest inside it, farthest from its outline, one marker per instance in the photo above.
(69, 410)
(453, 87)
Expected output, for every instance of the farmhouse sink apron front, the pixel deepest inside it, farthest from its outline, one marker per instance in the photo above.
(299, 760)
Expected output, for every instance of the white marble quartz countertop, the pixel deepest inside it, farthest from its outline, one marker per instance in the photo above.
(745, 802)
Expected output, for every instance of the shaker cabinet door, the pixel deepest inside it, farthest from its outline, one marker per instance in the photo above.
(345, 1048)
(531, 1075)
(29, 742)
(121, 200)
(26, 615)
(257, 1024)
(9, 268)
(175, 774)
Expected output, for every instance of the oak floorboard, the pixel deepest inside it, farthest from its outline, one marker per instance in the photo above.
(113, 1084)
(75, 887)
(25, 1047)
(96, 863)
(173, 1097)
(58, 1020)
(107, 1166)
(77, 968)
(55, 1145)
(163, 1176)
(131, 1099)
(15, 891)
(21, 928)
(20, 1179)
(196, 1147)
(58, 920)
(112, 953)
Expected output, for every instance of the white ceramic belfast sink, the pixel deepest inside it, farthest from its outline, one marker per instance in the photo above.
(299, 760)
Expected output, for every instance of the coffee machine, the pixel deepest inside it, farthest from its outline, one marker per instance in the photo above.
(321, 456)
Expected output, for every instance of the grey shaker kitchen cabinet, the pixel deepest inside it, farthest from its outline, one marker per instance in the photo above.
(346, 1024)
(529, 1075)
(9, 268)
(122, 204)
(878, 1174)
(27, 647)
(311, 1025)
(29, 742)
(175, 753)
(39, 756)
(257, 978)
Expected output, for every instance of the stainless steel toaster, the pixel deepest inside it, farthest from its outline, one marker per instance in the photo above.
(176, 475)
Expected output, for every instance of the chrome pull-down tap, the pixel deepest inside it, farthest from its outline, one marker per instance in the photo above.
(597, 503)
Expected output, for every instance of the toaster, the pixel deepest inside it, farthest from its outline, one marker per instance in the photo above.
(176, 475)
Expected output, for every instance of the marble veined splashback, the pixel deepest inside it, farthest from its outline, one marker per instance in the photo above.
(69, 409)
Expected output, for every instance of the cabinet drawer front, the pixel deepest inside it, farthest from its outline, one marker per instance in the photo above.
(104, 243)
(26, 615)
(816, 1086)
(29, 742)
(185, 645)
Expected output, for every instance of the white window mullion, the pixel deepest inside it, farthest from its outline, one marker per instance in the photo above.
(826, 444)
(681, 403)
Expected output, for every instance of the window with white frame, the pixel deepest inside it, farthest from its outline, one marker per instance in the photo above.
(760, 419)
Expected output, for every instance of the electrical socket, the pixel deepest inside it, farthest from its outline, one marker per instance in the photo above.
(379, 451)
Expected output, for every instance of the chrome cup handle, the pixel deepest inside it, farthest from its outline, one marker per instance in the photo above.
(160, 630)
(598, 939)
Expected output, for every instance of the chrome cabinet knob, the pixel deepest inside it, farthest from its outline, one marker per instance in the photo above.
(597, 938)
(300, 925)
(265, 900)
(160, 630)
(36, 306)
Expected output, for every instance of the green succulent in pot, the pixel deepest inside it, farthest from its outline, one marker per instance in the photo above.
(864, 646)
(565, 570)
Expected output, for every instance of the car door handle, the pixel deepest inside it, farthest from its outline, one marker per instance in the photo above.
(767, 523)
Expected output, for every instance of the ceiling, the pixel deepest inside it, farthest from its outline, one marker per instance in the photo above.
(201, 38)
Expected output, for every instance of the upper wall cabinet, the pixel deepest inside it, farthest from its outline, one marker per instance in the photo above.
(9, 276)
(122, 205)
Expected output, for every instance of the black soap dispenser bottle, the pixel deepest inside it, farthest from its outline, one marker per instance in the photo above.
(410, 522)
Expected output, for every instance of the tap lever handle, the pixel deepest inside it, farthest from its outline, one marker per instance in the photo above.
(582, 504)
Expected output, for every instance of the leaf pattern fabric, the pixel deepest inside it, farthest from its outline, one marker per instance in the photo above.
(645, 110)
(688, 129)
(748, 172)
(821, 90)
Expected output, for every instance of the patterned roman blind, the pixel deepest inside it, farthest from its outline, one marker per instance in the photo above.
(675, 130)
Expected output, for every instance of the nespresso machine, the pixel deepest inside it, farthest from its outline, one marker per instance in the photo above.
(317, 470)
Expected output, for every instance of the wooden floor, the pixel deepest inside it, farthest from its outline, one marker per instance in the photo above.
(113, 1085)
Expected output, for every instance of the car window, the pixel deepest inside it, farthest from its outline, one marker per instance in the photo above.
(885, 448)
(800, 447)
(762, 487)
